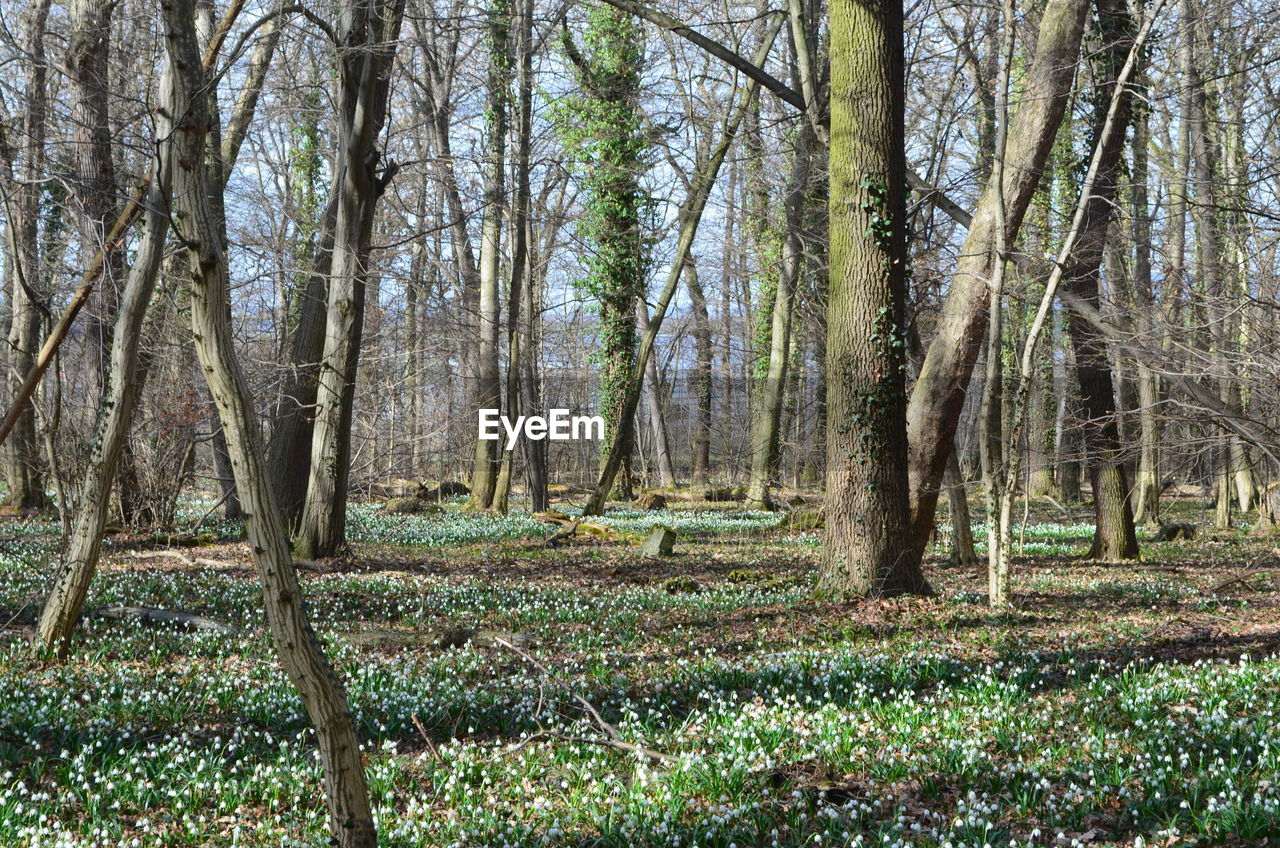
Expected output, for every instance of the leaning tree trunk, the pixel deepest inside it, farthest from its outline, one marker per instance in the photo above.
(120, 395)
(867, 550)
(303, 658)
(371, 27)
(939, 391)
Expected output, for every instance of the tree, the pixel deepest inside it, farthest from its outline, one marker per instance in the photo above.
(484, 470)
(1114, 535)
(867, 550)
(23, 272)
(939, 392)
(195, 224)
(604, 134)
(370, 28)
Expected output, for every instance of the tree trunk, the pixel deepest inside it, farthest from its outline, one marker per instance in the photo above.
(226, 478)
(653, 403)
(120, 394)
(1114, 534)
(372, 28)
(867, 550)
(289, 448)
(962, 551)
(488, 452)
(350, 818)
(939, 392)
(1147, 485)
(701, 470)
(769, 397)
(22, 264)
(88, 53)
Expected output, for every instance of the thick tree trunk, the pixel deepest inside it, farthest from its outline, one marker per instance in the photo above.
(350, 817)
(370, 28)
(939, 392)
(289, 447)
(868, 549)
(88, 53)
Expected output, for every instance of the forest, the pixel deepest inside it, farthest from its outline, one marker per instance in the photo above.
(680, 423)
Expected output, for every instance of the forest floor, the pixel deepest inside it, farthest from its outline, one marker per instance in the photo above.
(1120, 704)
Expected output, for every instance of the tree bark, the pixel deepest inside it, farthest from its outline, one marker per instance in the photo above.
(868, 549)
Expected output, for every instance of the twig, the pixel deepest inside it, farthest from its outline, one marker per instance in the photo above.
(615, 739)
(426, 737)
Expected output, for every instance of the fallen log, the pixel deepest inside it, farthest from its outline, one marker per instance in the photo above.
(158, 617)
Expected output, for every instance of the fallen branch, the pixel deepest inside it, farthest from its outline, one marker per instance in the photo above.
(1261, 565)
(150, 615)
(560, 535)
(614, 736)
(213, 563)
(422, 731)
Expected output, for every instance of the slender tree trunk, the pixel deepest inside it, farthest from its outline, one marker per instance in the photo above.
(653, 403)
(226, 478)
(303, 658)
(770, 394)
(22, 263)
(1114, 534)
(488, 455)
(701, 470)
(1147, 485)
(62, 608)
(963, 553)
(372, 28)
(868, 548)
(939, 392)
